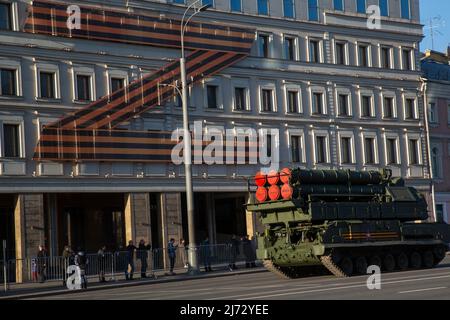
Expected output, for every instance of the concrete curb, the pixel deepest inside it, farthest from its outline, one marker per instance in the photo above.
(124, 284)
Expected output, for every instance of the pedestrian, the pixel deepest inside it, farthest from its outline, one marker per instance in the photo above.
(247, 246)
(142, 255)
(130, 260)
(184, 253)
(66, 256)
(41, 264)
(172, 252)
(81, 262)
(253, 245)
(234, 252)
(101, 258)
(206, 254)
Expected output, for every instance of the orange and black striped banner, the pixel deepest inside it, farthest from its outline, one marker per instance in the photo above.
(214, 47)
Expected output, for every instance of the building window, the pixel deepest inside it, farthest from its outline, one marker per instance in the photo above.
(340, 53)
(47, 85)
(363, 55)
(289, 48)
(236, 5)
(240, 99)
(314, 51)
(5, 16)
(211, 92)
(346, 150)
(263, 7)
(83, 87)
(267, 100)
(292, 99)
(269, 145)
(321, 152)
(296, 149)
(435, 162)
(432, 114)
(117, 84)
(410, 109)
(263, 45)
(369, 150)
(448, 114)
(406, 59)
(384, 8)
(289, 9)
(179, 1)
(405, 9)
(391, 151)
(338, 5)
(413, 151)
(317, 103)
(389, 108)
(313, 10)
(386, 57)
(8, 82)
(440, 213)
(361, 6)
(11, 140)
(208, 2)
(366, 106)
(343, 105)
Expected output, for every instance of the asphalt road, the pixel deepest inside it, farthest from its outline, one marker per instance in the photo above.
(431, 284)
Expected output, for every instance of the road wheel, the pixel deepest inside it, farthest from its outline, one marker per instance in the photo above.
(346, 266)
(415, 260)
(361, 265)
(428, 259)
(375, 260)
(402, 261)
(389, 263)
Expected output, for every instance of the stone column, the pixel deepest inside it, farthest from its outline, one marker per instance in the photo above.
(29, 231)
(137, 218)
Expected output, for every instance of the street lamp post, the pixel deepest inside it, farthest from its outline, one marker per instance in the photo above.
(192, 255)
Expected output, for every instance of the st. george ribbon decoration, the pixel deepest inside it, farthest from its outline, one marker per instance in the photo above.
(91, 133)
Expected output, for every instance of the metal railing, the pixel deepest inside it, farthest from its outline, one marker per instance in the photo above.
(115, 265)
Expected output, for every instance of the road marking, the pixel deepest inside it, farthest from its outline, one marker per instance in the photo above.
(420, 290)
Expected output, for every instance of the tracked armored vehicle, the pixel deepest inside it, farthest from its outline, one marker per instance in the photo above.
(344, 221)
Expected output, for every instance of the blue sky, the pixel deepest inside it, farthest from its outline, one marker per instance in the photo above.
(430, 9)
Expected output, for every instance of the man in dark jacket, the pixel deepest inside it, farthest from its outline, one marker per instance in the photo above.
(41, 263)
(248, 252)
(101, 256)
(142, 255)
(234, 248)
(172, 253)
(130, 260)
(206, 254)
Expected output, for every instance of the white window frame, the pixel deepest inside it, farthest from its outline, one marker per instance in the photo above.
(212, 82)
(119, 74)
(374, 136)
(369, 54)
(416, 108)
(323, 91)
(245, 84)
(346, 51)
(389, 94)
(17, 67)
(297, 133)
(267, 86)
(270, 44)
(440, 160)
(15, 120)
(296, 51)
(361, 94)
(414, 136)
(326, 135)
(308, 45)
(434, 121)
(347, 134)
(50, 68)
(288, 87)
(391, 56)
(392, 136)
(83, 71)
(348, 93)
(412, 61)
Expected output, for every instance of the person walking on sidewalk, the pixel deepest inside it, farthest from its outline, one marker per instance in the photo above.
(142, 255)
(41, 263)
(101, 256)
(248, 251)
(68, 257)
(234, 252)
(184, 253)
(206, 254)
(172, 252)
(130, 260)
(81, 261)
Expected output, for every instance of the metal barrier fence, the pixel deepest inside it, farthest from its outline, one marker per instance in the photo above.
(117, 264)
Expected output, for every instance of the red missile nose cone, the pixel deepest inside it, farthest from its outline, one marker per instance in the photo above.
(274, 193)
(260, 179)
(286, 192)
(261, 194)
(285, 175)
(273, 177)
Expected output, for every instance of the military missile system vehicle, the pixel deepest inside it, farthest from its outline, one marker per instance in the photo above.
(344, 221)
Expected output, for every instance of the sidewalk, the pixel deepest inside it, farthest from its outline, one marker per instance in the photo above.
(35, 290)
